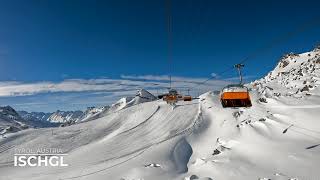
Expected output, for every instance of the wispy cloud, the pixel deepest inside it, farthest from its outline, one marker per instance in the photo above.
(175, 79)
(70, 85)
(146, 77)
(127, 83)
(79, 93)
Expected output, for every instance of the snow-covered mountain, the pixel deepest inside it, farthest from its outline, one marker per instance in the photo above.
(141, 96)
(59, 117)
(277, 138)
(296, 75)
(10, 120)
(52, 119)
(65, 116)
(38, 119)
(91, 113)
(34, 116)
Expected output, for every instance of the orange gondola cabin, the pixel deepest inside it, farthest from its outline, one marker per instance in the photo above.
(173, 97)
(235, 96)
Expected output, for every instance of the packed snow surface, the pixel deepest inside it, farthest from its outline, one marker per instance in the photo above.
(277, 138)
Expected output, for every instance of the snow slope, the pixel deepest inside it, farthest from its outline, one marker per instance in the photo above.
(103, 142)
(253, 143)
(277, 138)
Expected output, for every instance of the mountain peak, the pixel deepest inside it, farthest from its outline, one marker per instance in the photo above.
(142, 93)
(295, 75)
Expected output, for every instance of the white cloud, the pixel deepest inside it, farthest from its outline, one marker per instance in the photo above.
(146, 77)
(214, 75)
(127, 83)
(73, 94)
(166, 78)
(71, 85)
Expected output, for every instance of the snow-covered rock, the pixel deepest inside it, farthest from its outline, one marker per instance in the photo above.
(296, 75)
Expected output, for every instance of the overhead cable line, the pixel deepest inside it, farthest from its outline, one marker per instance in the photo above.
(281, 39)
(170, 40)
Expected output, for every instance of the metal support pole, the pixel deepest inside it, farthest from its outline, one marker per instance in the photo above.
(239, 66)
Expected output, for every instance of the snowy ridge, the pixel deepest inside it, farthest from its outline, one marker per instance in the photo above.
(93, 113)
(142, 96)
(295, 75)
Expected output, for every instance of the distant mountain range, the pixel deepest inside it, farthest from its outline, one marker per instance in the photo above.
(12, 120)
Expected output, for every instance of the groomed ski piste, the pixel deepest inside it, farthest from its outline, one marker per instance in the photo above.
(194, 140)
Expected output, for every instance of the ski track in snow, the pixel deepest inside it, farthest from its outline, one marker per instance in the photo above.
(142, 150)
(4, 148)
(104, 169)
(143, 122)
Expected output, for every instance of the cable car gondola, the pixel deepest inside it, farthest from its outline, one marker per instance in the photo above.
(236, 95)
(172, 97)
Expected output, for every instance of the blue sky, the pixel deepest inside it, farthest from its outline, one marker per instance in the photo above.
(58, 54)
